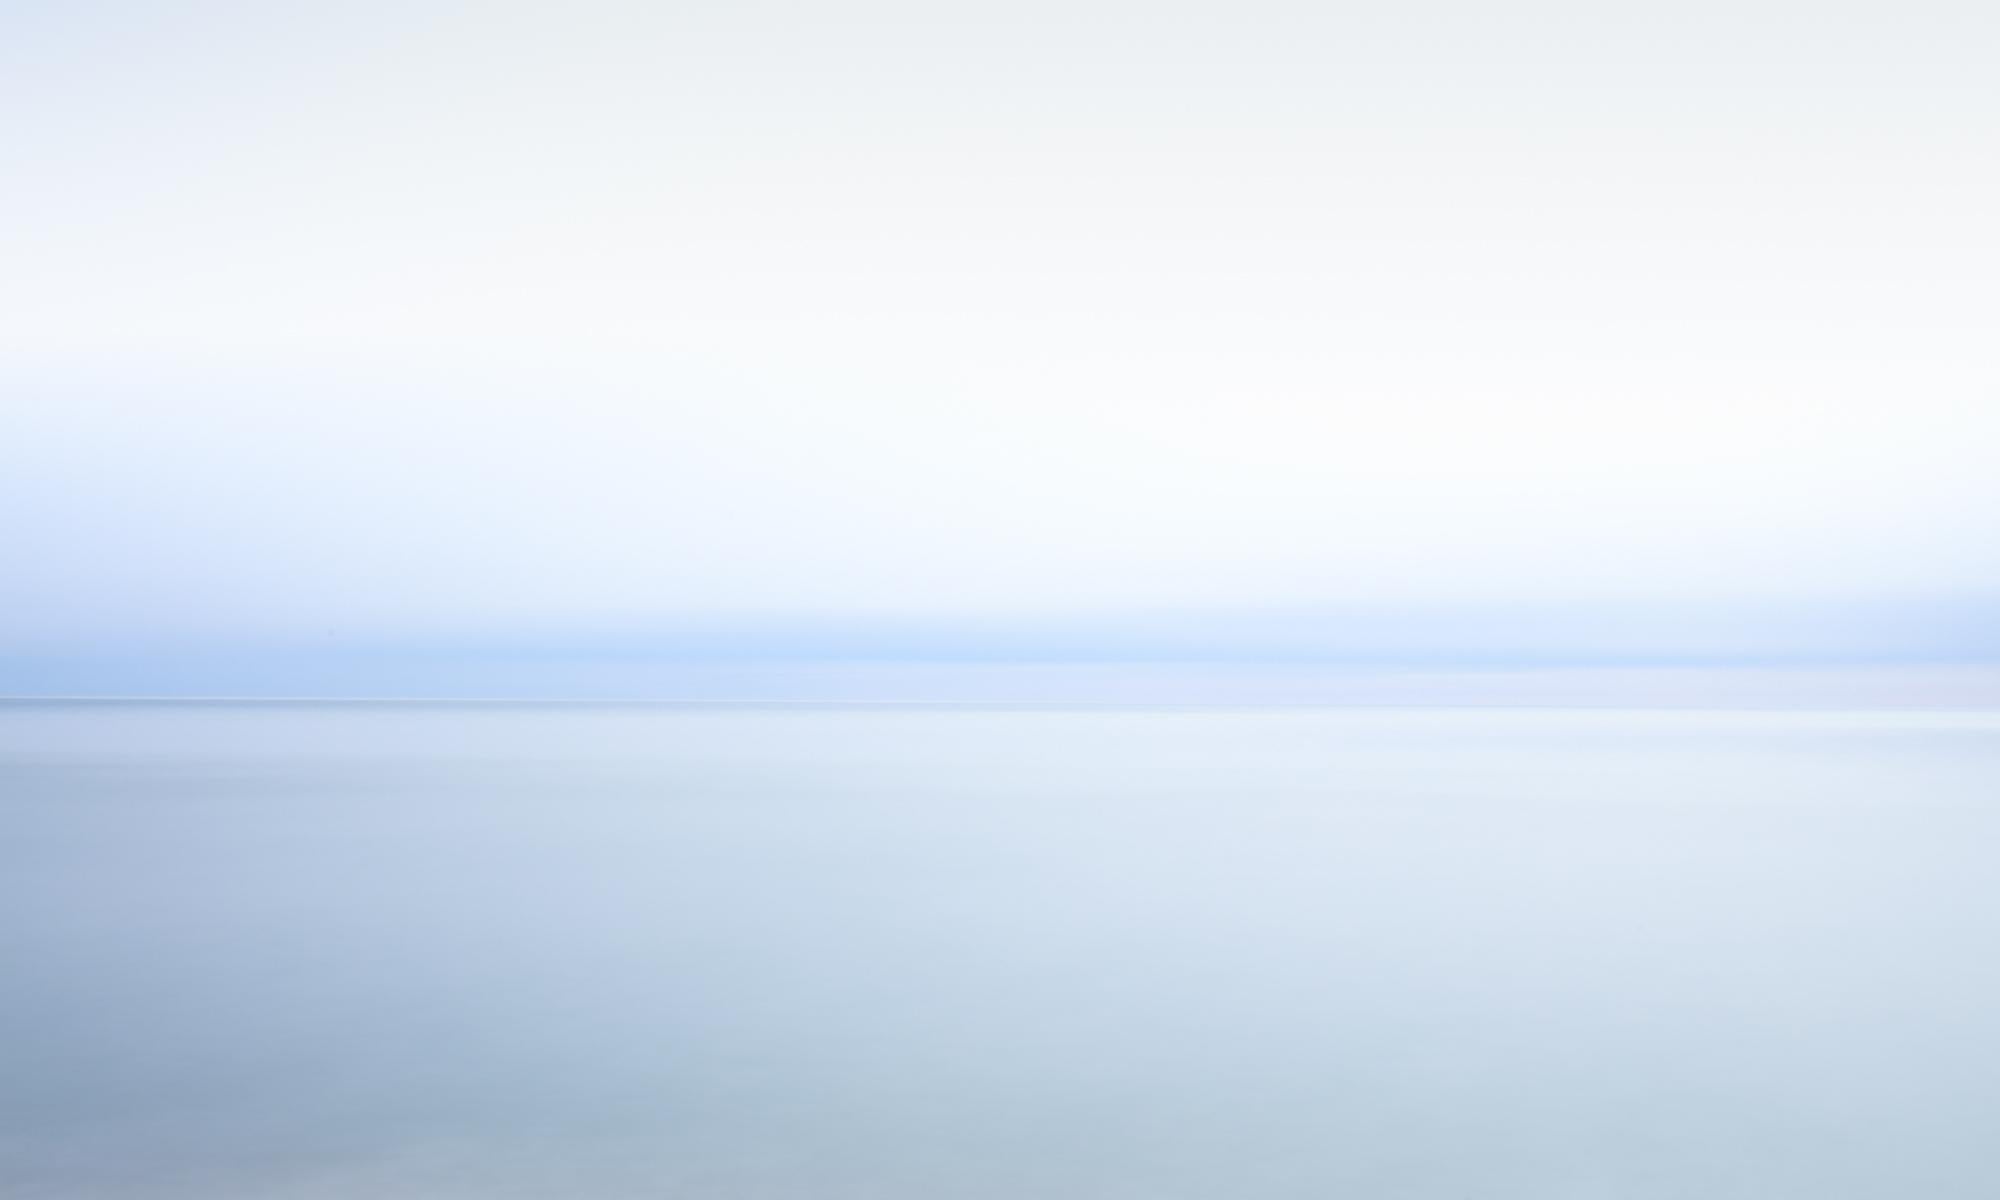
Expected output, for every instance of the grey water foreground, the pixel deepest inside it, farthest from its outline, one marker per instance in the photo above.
(393, 952)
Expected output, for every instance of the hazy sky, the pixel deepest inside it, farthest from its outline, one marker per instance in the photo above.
(535, 321)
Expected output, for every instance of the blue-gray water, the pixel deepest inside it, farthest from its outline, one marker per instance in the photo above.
(410, 953)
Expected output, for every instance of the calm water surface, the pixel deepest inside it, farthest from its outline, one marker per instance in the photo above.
(409, 953)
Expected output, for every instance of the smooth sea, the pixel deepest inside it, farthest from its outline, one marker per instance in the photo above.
(481, 952)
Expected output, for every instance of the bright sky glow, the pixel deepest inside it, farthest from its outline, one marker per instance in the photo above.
(431, 319)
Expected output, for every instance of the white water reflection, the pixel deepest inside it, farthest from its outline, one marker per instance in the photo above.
(441, 953)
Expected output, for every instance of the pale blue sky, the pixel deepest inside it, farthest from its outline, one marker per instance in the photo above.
(1446, 333)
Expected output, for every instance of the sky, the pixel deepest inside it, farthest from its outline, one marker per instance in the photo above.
(413, 348)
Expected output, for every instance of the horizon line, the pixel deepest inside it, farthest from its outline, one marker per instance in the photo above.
(1052, 705)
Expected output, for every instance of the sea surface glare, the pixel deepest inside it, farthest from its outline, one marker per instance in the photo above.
(406, 952)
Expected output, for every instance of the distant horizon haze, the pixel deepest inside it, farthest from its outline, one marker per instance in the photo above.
(1444, 337)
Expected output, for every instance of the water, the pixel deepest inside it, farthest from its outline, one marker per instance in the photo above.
(409, 953)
